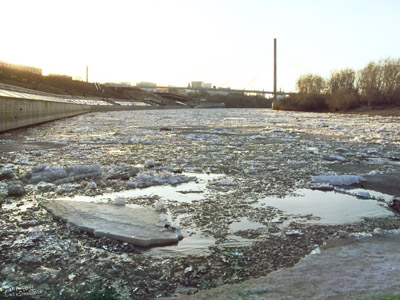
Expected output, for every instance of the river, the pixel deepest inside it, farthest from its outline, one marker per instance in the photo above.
(252, 203)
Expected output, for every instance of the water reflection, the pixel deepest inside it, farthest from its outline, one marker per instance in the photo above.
(330, 207)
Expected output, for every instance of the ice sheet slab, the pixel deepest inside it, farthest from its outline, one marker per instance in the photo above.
(137, 226)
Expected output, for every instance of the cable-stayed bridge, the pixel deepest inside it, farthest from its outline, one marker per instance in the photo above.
(229, 90)
(277, 94)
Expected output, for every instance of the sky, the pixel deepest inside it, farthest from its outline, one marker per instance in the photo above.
(228, 43)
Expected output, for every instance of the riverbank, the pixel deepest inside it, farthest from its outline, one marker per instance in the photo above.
(318, 103)
(64, 86)
(377, 111)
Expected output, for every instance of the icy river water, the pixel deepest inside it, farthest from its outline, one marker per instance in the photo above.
(252, 190)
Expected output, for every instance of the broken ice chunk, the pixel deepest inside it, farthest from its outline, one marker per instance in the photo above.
(45, 186)
(224, 183)
(316, 251)
(119, 201)
(333, 157)
(149, 163)
(338, 179)
(293, 233)
(160, 206)
(363, 194)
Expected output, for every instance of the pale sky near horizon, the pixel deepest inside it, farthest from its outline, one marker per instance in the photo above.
(173, 42)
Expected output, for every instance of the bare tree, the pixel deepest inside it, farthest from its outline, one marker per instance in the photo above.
(390, 76)
(369, 83)
(379, 83)
(341, 81)
(310, 84)
(375, 84)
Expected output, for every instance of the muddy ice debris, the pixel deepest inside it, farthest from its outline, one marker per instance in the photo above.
(149, 164)
(322, 187)
(45, 186)
(67, 188)
(91, 186)
(330, 157)
(6, 174)
(3, 191)
(15, 188)
(123, 172)
(294, 233)
(224, 183)
(395, 204)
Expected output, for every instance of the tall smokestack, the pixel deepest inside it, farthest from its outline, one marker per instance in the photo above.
(275, 79)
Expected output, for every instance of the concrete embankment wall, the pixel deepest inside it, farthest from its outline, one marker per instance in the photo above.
(16, 113)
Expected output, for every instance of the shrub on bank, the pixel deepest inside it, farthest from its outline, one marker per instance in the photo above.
(302, 102)
(343, 100)
(338, 101)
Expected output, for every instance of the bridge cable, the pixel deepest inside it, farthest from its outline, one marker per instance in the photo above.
(241, 72)
(207, 68)
(255, 77)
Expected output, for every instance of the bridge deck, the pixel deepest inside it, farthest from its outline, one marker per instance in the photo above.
(202, 89)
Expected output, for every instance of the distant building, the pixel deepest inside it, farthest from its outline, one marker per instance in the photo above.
(21, 68)
(201, 85)
(197, 84)
(146, 84)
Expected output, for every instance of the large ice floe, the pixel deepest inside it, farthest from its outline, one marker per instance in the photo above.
(135, 225)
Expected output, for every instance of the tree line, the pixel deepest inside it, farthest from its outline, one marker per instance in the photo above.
(377, 84)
